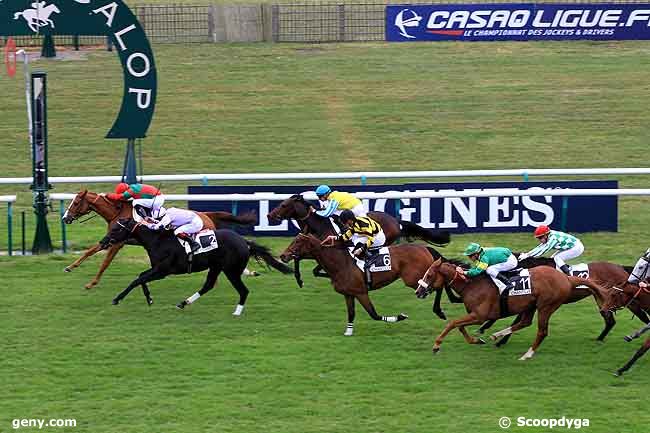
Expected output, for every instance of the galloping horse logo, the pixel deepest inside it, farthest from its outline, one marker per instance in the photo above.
(39, 16)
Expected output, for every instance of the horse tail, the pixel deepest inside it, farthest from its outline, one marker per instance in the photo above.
(263, 254)
(17, 15)
(594, 288)
(435, 237)
(219, 218)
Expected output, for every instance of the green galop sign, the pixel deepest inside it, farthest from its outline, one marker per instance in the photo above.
(96, 17)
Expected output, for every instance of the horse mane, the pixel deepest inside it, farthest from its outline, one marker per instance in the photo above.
(457, 262)
(532, 262)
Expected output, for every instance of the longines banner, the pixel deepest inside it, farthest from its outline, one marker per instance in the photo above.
(458, 215)
(517, 22)
(96, 17)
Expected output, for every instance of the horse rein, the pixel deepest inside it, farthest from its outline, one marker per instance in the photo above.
(632, 299)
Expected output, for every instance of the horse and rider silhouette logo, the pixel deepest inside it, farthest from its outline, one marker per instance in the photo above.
(39, 16)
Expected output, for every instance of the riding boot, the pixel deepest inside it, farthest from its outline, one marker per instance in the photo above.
(142, 211)
(503, 279)
(503, 297)
(194, 246)
(566, 269)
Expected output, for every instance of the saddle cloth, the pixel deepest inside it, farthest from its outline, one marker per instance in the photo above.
(206, 238)
(520, 283)
(380, 262)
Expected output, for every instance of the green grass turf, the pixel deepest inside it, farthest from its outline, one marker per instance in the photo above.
(285, 366)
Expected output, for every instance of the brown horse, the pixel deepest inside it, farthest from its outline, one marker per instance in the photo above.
(549, 289)
(623, 297)
(408, 262)
(604, 273)
(299, 209)
(86, 202)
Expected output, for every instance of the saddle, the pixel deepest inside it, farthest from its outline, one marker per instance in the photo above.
(376, 260)
(206, 239)
(519, 285)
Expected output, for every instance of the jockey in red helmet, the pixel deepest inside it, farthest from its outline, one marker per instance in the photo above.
(143, 195)
(568, 246)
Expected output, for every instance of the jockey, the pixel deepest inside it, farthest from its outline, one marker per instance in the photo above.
(184, 222)
(364, 232)
(492, 261)
(569, 247)
(143, 195)
(335, 202)
(640, 272)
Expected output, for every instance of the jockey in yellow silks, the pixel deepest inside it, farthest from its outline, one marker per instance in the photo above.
(335, 202)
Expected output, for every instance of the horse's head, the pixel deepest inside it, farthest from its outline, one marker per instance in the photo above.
(295, 207)
(120, 231)
(618, 298)
(433, 279)
(80, 206)
(302, 246)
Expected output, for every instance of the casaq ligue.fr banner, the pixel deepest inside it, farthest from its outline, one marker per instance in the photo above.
(517, 22)
(458, 215)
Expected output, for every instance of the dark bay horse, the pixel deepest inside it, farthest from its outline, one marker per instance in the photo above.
(550, 289)
(86, 202)
(606, 274)
(299, 209)
(408, 262)
(624, 296)
(168, 257)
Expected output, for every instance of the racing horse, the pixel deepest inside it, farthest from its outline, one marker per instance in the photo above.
(549, 289)
(168, 256)
(607, 275)
(624, 296)
(299, 209)
(111, 210)
(408, 262)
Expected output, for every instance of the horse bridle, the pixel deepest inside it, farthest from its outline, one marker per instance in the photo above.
(632, 299)
(424, 284)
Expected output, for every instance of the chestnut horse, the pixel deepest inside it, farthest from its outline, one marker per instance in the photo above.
(604, 273)
(550, 289)
(408, 262)
(299, 209)
(86, 202)
(625, 296)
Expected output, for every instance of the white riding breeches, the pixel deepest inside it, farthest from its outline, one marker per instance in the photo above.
(561, 256)
(190, 228)
(508, 265)
(379, 241)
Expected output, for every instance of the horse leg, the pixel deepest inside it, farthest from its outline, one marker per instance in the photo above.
(147, 294)
(639, 353)
(637, 334)
(248, 273)
(436, 305)
(110, 255)
(452, 296)
(608, 316)
(238, 284)
(364, 300)
(467, 320)
(349, 302)
(469, 338)
(523, 320)
(543, 316)
(488, 324)
(209, 283)
(319, 273)
(146, 276)
(89, 252)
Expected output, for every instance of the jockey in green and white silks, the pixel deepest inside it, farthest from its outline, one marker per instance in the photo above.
(492, 261)
(568, 246)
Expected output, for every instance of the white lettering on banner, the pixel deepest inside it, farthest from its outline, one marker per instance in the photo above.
(466, 212)
(406, 213)
(542, 19)
(118, 36)
(146, 65)
(108, 11)
(264, 225)
(501, 205)
(143, 98)
(425, 214)
(530, 204)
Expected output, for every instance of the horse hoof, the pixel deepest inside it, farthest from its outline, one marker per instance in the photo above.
(480, 341)
(441, 314)
(628, 338)
(402, 316)
(67, 269)
(181, 305)
(618, 373)
(115, 302)
(89, 286)
(150, 302)
(435, 350)
(493, 337)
